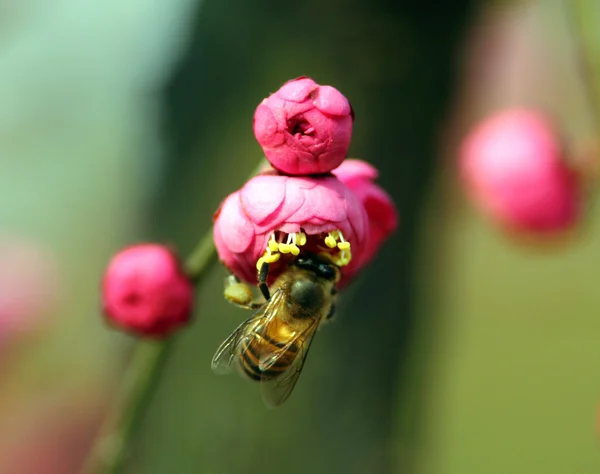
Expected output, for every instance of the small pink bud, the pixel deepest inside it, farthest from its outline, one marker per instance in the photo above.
(513, 168)
(304, 128)
(145, 291)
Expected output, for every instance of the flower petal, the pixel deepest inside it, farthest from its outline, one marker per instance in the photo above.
(232, 227)
(297, 90)
(330, 101)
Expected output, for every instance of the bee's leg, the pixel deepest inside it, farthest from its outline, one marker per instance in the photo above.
(263, 274)
(331, 313)
(239, 293)
(332, 309)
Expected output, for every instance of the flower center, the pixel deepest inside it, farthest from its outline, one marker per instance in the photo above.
(298, 126)
(333, 245)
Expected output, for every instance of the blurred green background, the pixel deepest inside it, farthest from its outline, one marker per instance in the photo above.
(457, 351)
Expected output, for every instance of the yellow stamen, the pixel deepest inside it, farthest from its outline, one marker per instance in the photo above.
(278, 245)
(301, 239)
(273, 245)
(271, 255)
(285, 248)
(343, 245)
(335, 239)
(289, 248)
(330, 241)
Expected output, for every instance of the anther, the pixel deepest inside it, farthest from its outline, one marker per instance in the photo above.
(336, 239)
(290, 246)
(343, 245)
(331, 240)
(301, 239)
(268, 256)
(273, 245)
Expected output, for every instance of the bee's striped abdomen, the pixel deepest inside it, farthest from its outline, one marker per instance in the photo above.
(260, 347)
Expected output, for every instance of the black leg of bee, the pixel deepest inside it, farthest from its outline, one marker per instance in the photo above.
(331, 312)
(262, 281)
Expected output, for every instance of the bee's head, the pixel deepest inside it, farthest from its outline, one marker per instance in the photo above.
(322, 269)
(315, 276)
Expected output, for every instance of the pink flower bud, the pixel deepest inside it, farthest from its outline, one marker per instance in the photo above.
(512, 165)
(274, 217)
(304, 128)
(359, 175)
(145, 291)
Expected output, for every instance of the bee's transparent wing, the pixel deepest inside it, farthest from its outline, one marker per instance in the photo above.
(276, 391)
(224, 359)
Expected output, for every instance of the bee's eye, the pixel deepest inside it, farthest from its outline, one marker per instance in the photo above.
(326, 271)
(304, 263)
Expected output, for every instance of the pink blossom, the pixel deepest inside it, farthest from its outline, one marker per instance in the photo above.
(29, 286)
(276, 217)
(145, 291)
(512, 165)
(304, 128)
(359, 176)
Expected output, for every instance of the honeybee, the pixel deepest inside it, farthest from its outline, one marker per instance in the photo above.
(272, 345)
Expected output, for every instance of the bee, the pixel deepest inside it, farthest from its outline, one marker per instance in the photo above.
(272, 345)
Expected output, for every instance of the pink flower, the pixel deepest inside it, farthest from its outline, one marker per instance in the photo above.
(275, 217)
(145, 291)
(304, 128)
(512, 165)
(359, 175)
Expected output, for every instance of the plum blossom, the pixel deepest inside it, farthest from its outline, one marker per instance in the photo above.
(275, 217)
(382, 215)
(304, 128)
(512, 164)
(145, 291)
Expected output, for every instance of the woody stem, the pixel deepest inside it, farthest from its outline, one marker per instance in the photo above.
(110, 452)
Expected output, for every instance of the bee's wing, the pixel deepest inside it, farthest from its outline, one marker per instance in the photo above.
(224, 358)
(276, 391)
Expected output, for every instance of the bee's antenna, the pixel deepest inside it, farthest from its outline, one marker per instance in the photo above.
(263, 274)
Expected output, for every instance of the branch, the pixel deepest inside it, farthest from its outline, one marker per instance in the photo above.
(111, 450)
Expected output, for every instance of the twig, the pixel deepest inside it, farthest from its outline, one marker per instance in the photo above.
(112, 448)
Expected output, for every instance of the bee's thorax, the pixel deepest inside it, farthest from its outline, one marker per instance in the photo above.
(306, 295)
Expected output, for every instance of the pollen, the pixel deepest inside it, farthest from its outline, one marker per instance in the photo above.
(330, 240)
(276, 247)
(271, 254)
(273, 244)
(291, 246)
(344, 258)
(280, 243)
(301, 239)
(336, 239)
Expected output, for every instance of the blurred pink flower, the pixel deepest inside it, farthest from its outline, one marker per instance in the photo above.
(29, 286)
(513, 168)
(304, 128)
(382, 215)
(145, 291)
(275, 217)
